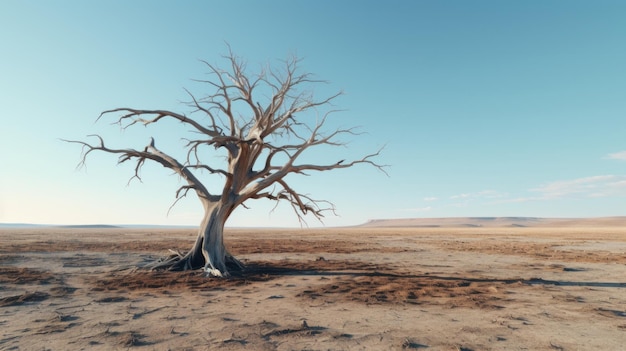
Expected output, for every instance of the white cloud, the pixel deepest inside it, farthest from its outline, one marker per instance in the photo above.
(617, 156)
(432, 198)
(595, 186)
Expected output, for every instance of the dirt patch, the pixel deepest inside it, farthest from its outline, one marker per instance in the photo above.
(81, 260)
(243, 246)
(21, 275)
(546, 251)
(125, 339)
(373, 289)
(170, 281)
(103, 246)
(309, 267)
(23, 298)
(130, 339)
(260, 271)
(351, 281)
(303, 330)
(240, 246)
(10, 259)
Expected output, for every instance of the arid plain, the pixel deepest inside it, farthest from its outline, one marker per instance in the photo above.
(453, 284)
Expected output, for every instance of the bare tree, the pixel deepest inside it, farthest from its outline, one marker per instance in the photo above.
(261, 150)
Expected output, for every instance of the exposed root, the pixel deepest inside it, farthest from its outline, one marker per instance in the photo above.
(179, 262)
(173, 262)
(175, 253)
(212, 272)
(231, 264)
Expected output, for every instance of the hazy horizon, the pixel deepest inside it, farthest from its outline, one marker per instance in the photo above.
(378, 222)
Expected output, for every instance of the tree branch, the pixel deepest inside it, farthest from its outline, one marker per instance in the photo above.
(301, 204)
(134, 116)
(151, 153)
(341, 164)
(273, 127)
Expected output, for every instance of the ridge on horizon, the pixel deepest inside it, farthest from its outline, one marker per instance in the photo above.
(427, 222)
(508, 221)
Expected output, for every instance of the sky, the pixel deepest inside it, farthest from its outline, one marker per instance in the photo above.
(484, 108)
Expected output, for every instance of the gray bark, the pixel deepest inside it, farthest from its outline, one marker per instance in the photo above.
(208, 251)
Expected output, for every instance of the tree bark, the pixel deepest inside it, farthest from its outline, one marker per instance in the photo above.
(209, 251)
(212, 231)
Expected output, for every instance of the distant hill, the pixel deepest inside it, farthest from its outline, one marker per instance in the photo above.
(90, 226)
(30, 225)
(94, 226)
(493, 222)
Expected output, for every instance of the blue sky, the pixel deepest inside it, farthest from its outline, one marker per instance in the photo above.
(486, 108)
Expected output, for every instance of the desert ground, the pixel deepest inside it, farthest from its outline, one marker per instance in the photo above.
(375, 287)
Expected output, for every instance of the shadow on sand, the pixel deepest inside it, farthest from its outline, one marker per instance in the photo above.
(273, 269)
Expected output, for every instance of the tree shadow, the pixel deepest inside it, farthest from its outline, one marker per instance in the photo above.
(304, 269)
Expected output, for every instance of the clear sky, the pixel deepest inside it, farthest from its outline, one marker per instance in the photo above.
(486, 108)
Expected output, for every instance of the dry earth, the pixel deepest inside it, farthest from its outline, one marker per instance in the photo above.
(507, 288)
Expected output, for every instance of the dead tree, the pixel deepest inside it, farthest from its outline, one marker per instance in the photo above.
(256, 121)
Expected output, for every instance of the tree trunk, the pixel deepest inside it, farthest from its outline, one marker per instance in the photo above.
(208, 251)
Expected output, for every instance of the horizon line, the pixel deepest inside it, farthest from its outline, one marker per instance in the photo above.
(182, 226)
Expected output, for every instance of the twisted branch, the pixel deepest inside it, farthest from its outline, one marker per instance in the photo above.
(275, 125)
(149, 153)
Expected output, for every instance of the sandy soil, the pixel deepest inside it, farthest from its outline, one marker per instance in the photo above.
(332, 289)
